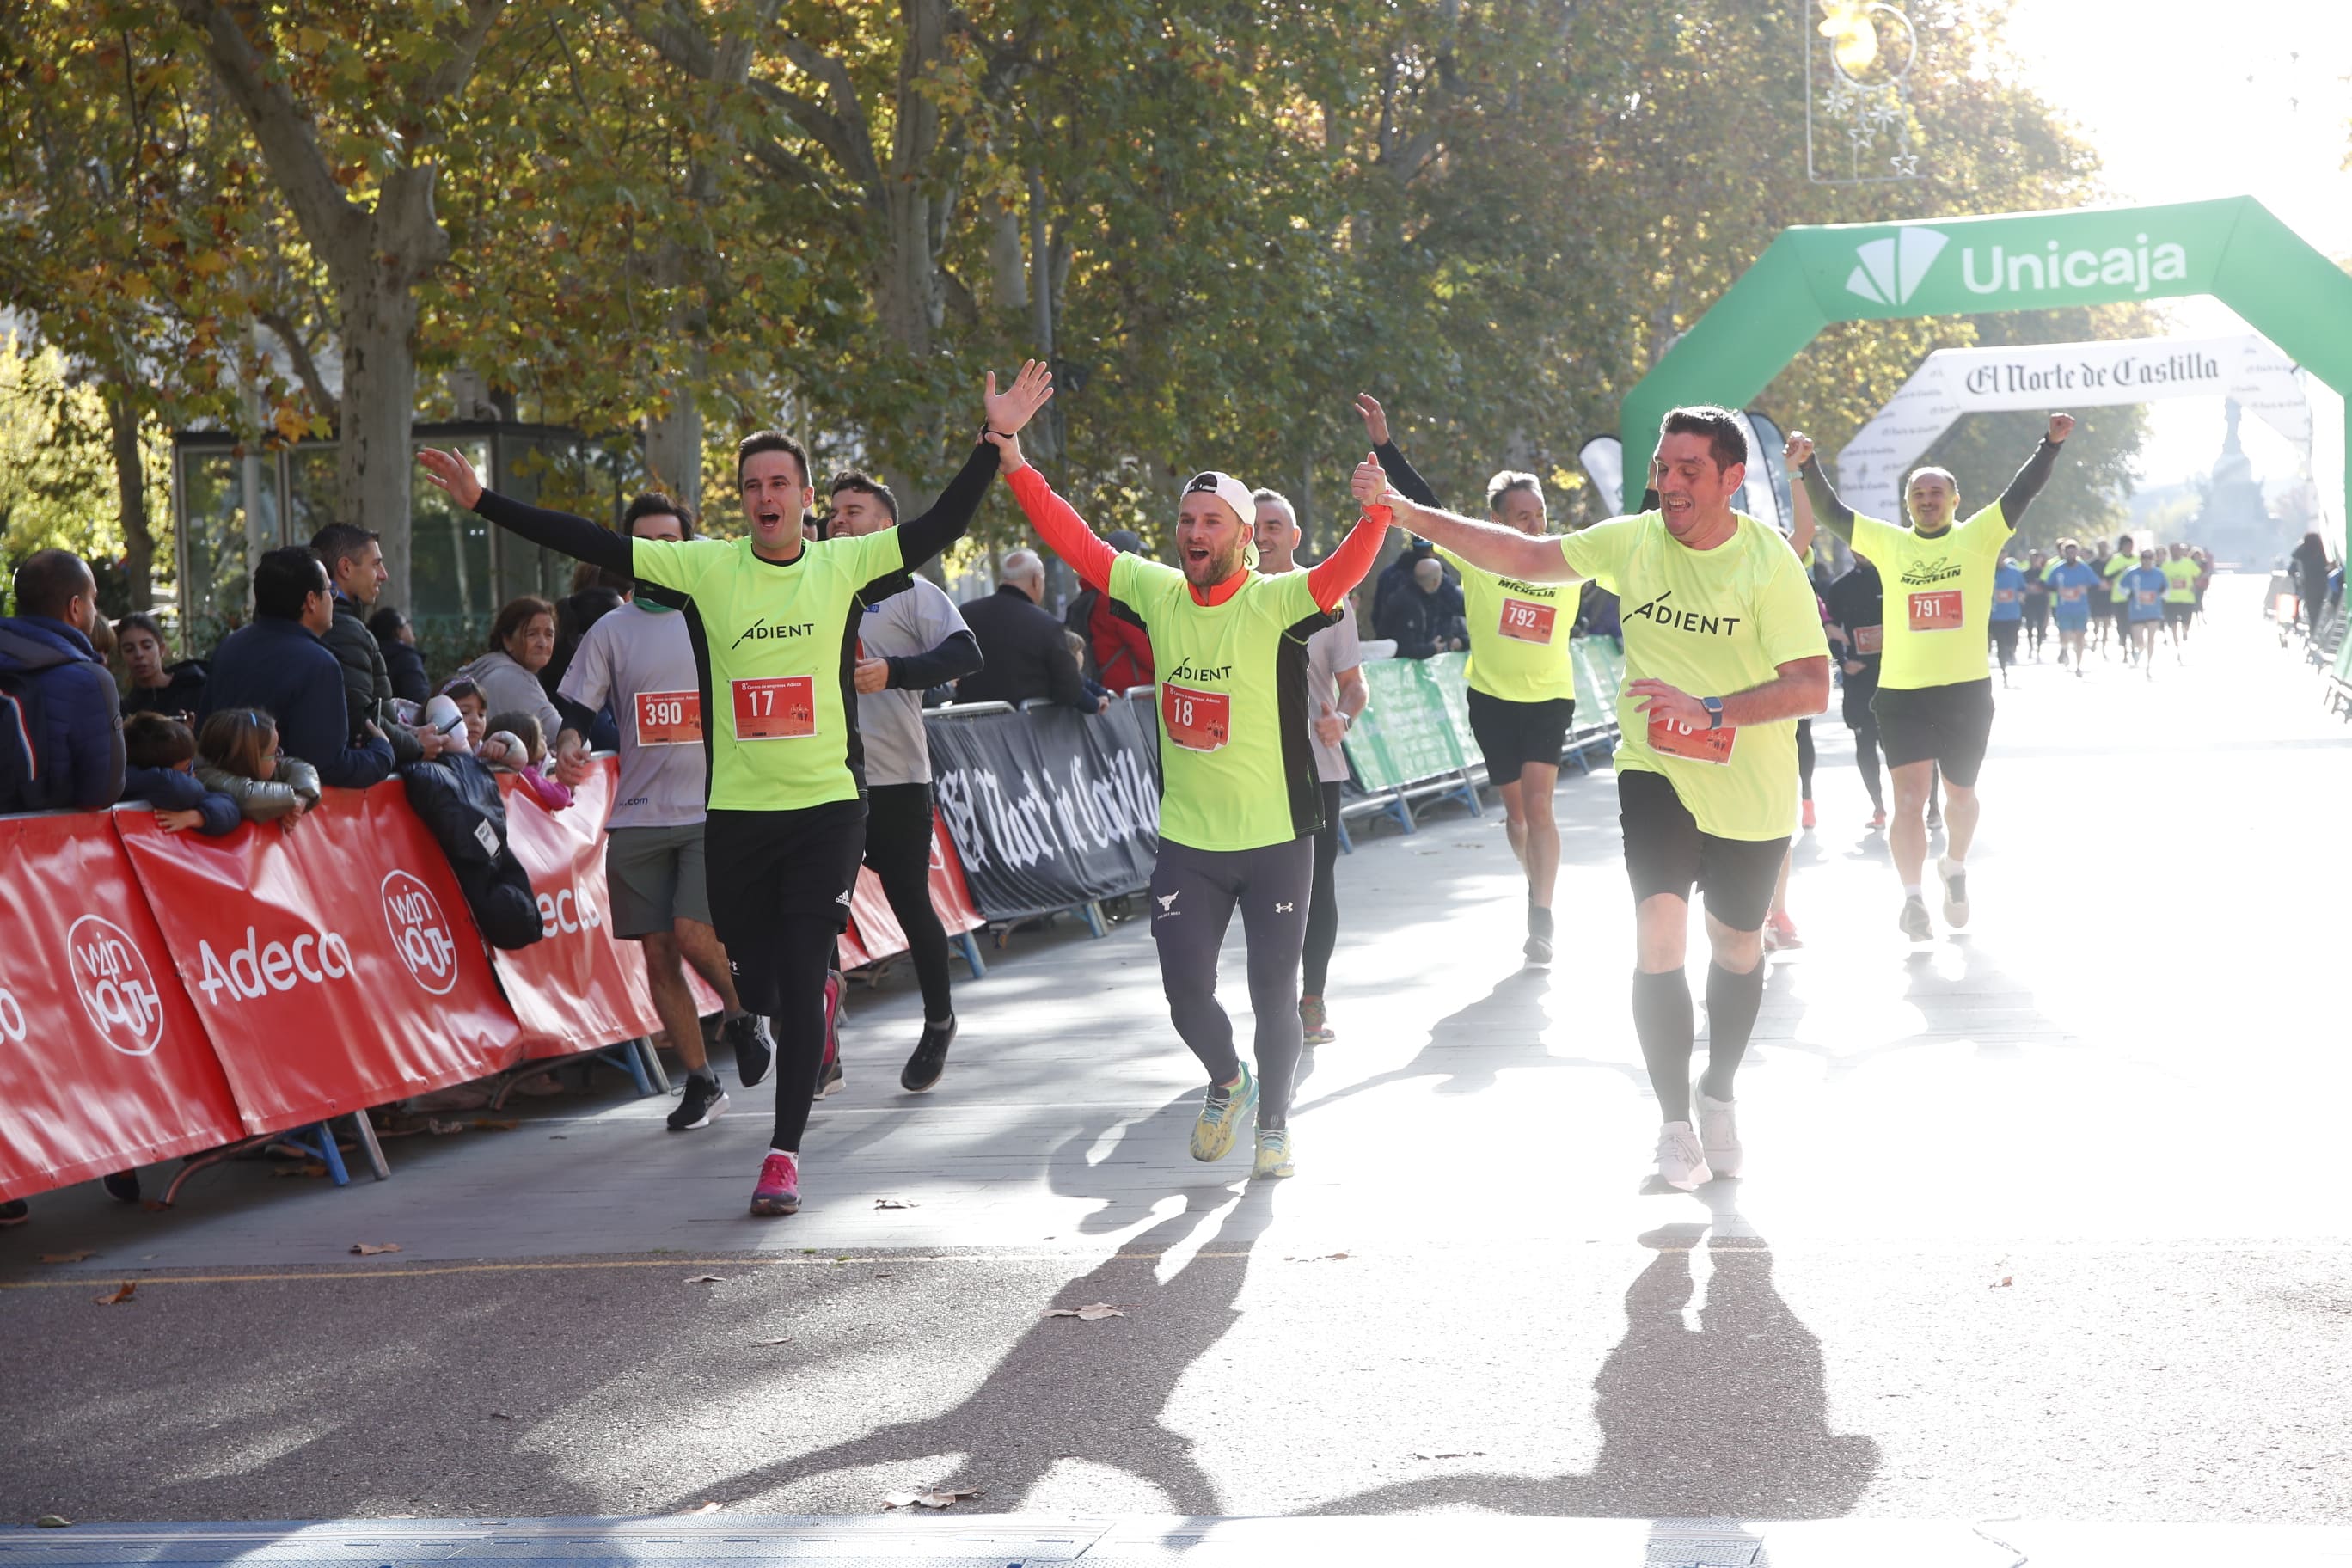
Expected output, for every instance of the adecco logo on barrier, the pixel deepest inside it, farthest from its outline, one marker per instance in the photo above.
(116, 986)
(420, 931)
(570, 909)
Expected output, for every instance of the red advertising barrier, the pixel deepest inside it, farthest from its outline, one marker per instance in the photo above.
(874, 931)
(575, 988)
(334, 966)
(103, 1064)
(949, 894)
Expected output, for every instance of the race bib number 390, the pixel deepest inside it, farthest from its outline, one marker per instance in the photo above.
(1526, 621)
(1670, 739)
(1938, 612)
(669, 718)
(1196, 720)
(784, 709)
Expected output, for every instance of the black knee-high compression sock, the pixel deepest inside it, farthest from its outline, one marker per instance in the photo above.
(1662, 1021)
(1732, 1000)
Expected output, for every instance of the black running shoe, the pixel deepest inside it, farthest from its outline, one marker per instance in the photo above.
(122, 1187)
(705, 1099)
(830, 1081)
(930, 1057)
(755, 1053)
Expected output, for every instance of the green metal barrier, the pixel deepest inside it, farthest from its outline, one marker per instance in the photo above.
(1406, 743)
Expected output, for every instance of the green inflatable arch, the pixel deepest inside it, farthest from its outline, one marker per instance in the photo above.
(2233, 249)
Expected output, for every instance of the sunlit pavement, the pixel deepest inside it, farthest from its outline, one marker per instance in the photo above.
(2041, 1223)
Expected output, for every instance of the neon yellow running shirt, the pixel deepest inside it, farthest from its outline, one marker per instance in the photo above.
(1939, 597)
(1518, 634)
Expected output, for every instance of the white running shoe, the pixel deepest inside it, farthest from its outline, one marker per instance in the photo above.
(1682, 1164)
(1956, 890)
(1718, 1130)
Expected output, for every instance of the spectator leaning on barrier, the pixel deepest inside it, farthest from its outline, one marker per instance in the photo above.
(637, 663)
(236, 755)
(280, 666)
(522, 639)
(1027, 658)
(396, 640)
(56, 694)
(354, 563)
(155, 685)
(158, 755)
(909, 639)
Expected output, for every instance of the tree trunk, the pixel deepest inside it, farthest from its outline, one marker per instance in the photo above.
(374, 471)
(131, 492)
(674, 441)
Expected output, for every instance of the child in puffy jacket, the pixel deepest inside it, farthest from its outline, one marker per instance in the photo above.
(159, 756)
(516, 745)
(236, 755)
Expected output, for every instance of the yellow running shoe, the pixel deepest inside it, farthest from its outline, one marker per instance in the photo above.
(1272, 1161)
(1221, 1116)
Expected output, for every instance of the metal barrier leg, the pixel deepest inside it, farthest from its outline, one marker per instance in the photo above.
(626, 1057)
(1347, 844)
(368, 1142)
(1470, 794)
(333, 1157)
(970, 951)
(1402, 809)
(1091, 912)
(652, 1060)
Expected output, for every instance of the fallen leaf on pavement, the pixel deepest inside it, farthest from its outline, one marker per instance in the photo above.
(54, 1521)
(443, 1128)
(942, 1498)
(370, 1249)
(309, 1168)
(1320, 1257)
(1999, 1283)
(787, 1340)
(66, 1256)
(706, 1508)
(1448, 1452)
(128, 1288)
(894, 1203)
(500, 1416)
(706, 1279)
(154, 1206)
(497, 1123)
(1088, 1313)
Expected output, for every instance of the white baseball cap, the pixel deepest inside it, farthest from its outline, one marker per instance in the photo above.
(1237, 496)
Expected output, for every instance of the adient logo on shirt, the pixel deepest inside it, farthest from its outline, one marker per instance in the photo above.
(1190, 671)
(1919, 574)
(761, 628)
(1676, 619)
(1890, 270)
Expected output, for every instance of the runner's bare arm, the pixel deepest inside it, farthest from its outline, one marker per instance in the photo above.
(1800, 689)
(574, 536)
(2036, 472)
(1828, 510)
(1530, 558)
(1801, 527)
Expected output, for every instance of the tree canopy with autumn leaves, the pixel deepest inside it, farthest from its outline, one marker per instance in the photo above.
(670, 222)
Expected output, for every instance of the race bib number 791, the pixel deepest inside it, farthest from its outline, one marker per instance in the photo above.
(1936, 612)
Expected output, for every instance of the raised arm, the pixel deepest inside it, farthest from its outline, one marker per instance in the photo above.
(2036, 472)
(1530, 558)
(921, 537)
(560, 530)
(1336, 574)
(1801, 527)
(1829, 512)
(1057, 523)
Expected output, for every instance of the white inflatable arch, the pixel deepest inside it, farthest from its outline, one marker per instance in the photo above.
(1953, 382)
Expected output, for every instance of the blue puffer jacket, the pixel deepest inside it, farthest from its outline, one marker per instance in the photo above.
(169, 789)
(69, 708)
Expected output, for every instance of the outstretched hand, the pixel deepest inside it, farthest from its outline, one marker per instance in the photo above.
(1009, 410)
(1370, 485)
(452, 474)
(1376, 418)
(2060, 427)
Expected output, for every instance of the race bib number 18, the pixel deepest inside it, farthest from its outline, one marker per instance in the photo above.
(1196, 720)
(1938, 612)
(669, 718)
(784, 709)
(1528, 622)
(1674, 740)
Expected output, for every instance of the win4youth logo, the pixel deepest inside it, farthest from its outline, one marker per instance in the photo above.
(1891, 268)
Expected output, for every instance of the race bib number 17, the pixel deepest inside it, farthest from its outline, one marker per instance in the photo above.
(1938, 612)
(784, 709)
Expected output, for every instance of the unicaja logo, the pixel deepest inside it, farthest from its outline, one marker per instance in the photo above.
(1891, 268)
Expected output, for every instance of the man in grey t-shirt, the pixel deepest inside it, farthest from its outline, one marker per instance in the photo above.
(640, 661)
(1336, 693)
(908, 642)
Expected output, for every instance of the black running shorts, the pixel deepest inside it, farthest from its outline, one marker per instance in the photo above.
(1950, 725)
(762, 866)
(1512, 734)
(1666, 853)
(2177, 614)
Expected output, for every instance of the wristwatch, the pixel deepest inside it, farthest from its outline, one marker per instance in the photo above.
(1714, 706)
(1346, 720)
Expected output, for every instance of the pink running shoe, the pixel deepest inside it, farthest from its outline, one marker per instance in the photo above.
(779, 1191)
